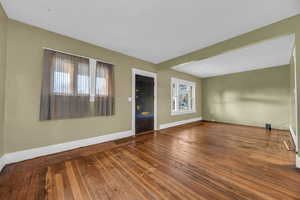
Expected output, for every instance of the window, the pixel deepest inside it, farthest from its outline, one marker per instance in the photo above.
(72, 83)
(183, 97)
(83, 79)
(102, 80)
(83, 84)
(101, 86)
(62, 87)
(71, 75)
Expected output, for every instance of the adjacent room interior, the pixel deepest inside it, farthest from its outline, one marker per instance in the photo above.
(149, 99)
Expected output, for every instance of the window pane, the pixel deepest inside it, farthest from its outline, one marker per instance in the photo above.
(83, 78)
(101, 86)
(102, 77)
(62, 83)
(83, 84)
(183, 97)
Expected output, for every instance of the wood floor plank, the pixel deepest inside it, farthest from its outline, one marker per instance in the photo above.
(92, 179)
(202, 160)
(126, 186)
(131, 180)
(59, 186)
(159, 190)
(202, 178)
(223, 168)
(76, 190)
(177, 188)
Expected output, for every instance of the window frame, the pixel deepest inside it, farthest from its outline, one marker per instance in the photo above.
(177, 82)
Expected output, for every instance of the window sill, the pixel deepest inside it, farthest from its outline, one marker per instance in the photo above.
(183, 113)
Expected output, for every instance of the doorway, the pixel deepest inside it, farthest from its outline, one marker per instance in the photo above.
(143, 101)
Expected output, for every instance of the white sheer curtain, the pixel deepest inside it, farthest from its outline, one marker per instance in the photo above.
(104, 99)
(65, 90)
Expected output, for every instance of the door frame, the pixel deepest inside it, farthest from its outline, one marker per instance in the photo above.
(147, 74)
(296, 99)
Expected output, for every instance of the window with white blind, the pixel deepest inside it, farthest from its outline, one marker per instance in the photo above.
(183, 95)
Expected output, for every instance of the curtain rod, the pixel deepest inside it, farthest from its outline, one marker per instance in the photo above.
(71, 54)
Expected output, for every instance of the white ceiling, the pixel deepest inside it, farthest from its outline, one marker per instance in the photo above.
(269, 53)
(153, 30)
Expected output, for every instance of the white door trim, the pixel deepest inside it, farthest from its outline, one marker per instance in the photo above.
(147, 74)
(296, 100)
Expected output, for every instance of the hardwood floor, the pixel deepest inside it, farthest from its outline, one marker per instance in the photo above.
(199, 161)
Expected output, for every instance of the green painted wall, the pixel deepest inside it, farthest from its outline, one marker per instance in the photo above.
(23, 130)
(3, 29)
(284, 27)
(250, 98)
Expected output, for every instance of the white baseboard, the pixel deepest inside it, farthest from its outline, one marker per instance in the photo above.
(168, 125)
(298, 161)
(294, 137)
(56, 148)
